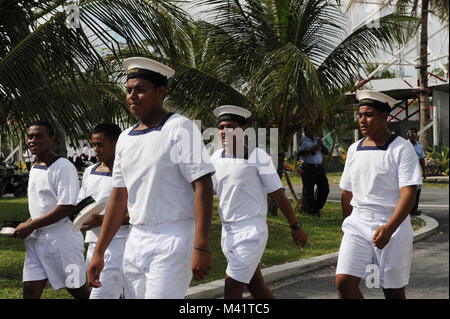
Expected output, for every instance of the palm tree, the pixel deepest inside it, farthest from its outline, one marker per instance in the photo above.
(68, 75)
(285, 60)
(441, 9)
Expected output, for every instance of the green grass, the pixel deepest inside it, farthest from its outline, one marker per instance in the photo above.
(324, 236)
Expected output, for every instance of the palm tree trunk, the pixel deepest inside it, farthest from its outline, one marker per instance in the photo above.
(425, 118)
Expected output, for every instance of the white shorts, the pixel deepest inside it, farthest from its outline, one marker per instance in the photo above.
(157, 261)
(111, 276)
(360, 258)
(243, 245)
(55, 254)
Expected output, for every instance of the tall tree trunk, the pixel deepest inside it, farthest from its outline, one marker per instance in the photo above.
(425, 118)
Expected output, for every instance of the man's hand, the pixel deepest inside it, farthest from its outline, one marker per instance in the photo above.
(201, 264)
(93, 222)
(94, 270)
(24, 229)
(299, 236)
(382, 236)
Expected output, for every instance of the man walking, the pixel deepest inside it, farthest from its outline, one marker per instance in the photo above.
(55, 253)
(378, 185)
(167, 191)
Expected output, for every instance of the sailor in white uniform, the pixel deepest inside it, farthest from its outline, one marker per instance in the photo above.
(55, 253)
(97, 183)
(378, 185)
(242, 184)
(162, 175)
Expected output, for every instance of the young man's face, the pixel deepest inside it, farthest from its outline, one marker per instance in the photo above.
(38, 140)
(371, 120)
(228, 126)
(104, 149)
(412, 135)
(143, 98)
(309, 130)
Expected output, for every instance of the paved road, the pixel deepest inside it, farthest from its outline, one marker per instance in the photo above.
(430, 269)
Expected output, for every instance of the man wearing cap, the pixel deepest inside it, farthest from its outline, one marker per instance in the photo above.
(244, 176)
(97, 183)
(55, 253)
(412, 135)
(378, 185)
(311, 150)
(165, 183)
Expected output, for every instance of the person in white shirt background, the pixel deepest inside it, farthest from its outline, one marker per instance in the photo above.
(412, 135)
(242, 182)
(71, 153)
(29, 158)
(168, 195)
(378, 185)
(97, 183)
(55, 253)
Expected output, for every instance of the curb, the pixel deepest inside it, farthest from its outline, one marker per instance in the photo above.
(214, 289)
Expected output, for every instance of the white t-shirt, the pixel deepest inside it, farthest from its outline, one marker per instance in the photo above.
(157, 166)
(98, 185)
(242, 185)
(375, 174)
(52, 185)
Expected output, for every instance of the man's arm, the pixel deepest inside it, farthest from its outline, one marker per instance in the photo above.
(203, 206)
(346, 198)
(422, 165)
(114, 217)
(298, 235)
(57, 213)
(323, 148)
(404, 205)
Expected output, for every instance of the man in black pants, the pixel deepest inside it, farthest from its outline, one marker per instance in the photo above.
(310, 150)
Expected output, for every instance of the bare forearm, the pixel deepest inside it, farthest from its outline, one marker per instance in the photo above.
(285, 206)
(203, 205)
(403, 208)
(346, 198)
(53, 216)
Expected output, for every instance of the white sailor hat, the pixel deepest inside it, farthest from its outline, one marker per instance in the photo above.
(232, 113)
(83, 210)
(9, 226)
(146, 68)
(375, 99)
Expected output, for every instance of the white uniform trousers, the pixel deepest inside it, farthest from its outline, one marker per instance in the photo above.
(360, 258)
(157, 260)
(55, 253)
(243, 245)
(111, 276)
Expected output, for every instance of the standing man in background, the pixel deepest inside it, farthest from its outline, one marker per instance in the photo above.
(311, 151)
(412, 135)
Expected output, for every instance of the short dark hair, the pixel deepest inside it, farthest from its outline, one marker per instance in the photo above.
(412, 129)
(47, 125)
(110, 130)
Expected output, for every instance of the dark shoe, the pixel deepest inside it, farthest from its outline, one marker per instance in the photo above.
(416, 213)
